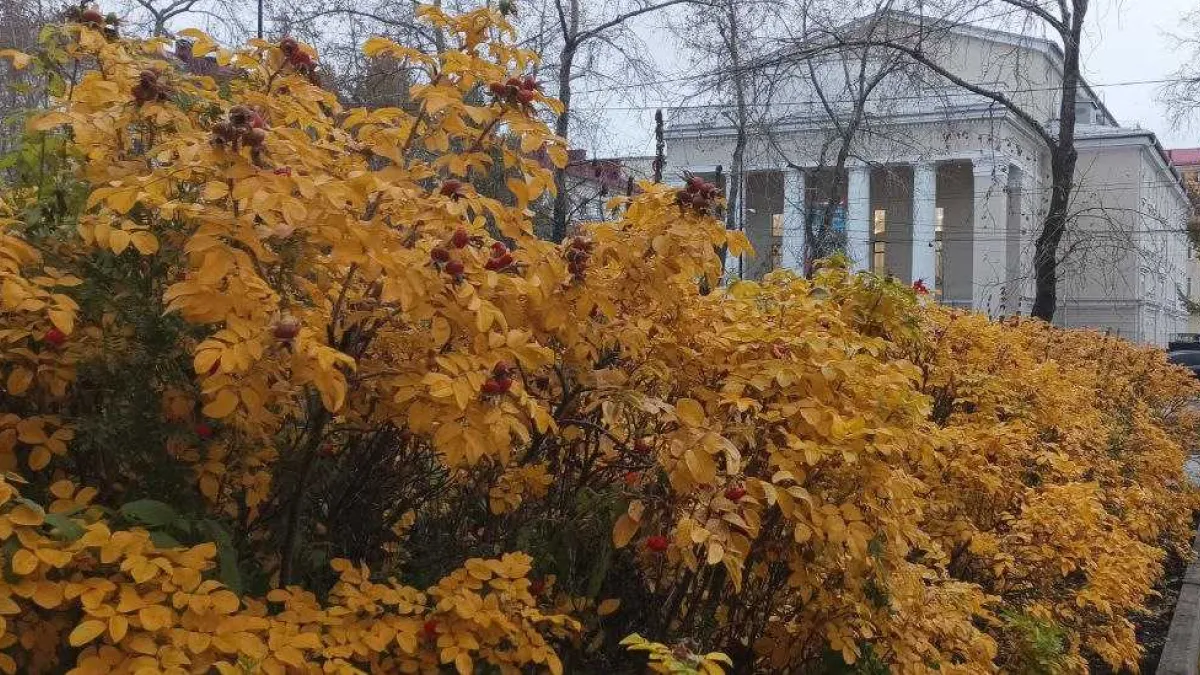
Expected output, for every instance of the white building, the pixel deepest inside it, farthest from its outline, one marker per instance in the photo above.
(949, 187)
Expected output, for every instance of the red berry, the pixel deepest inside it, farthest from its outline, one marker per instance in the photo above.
(641, 447)
(461, 238)
(287, 328)
(54, 337)
(498, 89)
(505, 385)
(204, 431)
(526, 96)
(920, 288)
(735, 493)
(454, 268)
(430, 628)
(439, 255)
(92, 16)
(492, 387)
(288, 45)
(529, 83)
(657, 543)
(498, 249)
(502, 369)
(513, 82)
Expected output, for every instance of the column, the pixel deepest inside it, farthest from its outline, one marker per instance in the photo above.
(793, 245)
(924, 210)
(858, 218)
(989, 237)
(1014, 238)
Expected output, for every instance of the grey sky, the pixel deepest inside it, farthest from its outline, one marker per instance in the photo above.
(1130, 41)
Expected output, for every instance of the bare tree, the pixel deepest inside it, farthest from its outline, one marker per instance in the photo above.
(577, 39)
(841, 104)
(1065, 20)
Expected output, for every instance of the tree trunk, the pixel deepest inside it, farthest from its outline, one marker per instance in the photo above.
(734, 191)
(1063, 157)
(562, 127)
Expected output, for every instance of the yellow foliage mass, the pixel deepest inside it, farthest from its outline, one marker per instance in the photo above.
(339, 333)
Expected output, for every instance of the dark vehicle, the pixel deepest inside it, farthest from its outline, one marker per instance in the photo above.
(1181, 342)
(1188, 358)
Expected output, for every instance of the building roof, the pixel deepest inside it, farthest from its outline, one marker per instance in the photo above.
(1184, 156)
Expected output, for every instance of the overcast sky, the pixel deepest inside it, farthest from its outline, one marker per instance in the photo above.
(1130, 40)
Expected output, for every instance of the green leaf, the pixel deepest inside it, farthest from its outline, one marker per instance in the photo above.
(227, 558)
(163, 540)
(63, 528)
(149, 512)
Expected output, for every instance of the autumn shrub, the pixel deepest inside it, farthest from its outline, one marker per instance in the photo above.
(286, 391)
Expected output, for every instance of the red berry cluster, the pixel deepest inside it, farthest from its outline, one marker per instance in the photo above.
(299, 59)
(245, 126)
(516, 91)
(501, 258)
(150, 88)
(699, 195)
(500, 381)
(578, 254)
(452, 189)
(735, 492)
(442, 257)
(920, 288)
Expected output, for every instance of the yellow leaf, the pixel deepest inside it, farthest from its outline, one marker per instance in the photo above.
(716, 552)
(39, 458)
(623, 530)
(117, 627)
(145, 242)
(20, 60)
(62, 489)
(19, 380)
(62, 319)
(154, 617)
(701, 465)
(85, 632)
(608, 606)
(118, 241)
(23, 515)
(463, 664)
(214, 190)
(690, 412)
(122, 200)
(24, 562)
(224, 404)
(48, 121)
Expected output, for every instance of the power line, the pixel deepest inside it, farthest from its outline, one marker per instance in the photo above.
(816, 102)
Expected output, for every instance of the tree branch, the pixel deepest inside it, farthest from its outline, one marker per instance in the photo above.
(622, 18)
(1059, 25)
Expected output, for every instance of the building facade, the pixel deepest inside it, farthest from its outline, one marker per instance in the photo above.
(947, 187)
